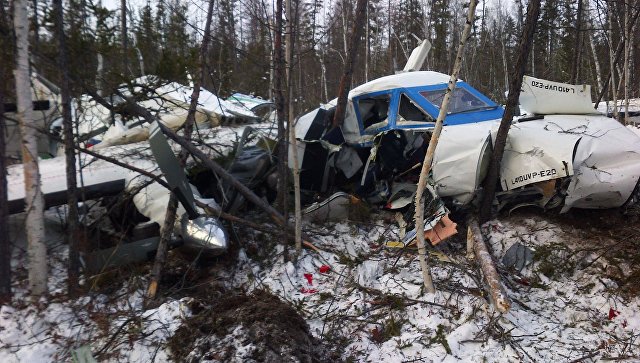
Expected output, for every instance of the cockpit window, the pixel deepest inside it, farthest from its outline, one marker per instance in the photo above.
(374, 111)
(409, 111)
(461, 100)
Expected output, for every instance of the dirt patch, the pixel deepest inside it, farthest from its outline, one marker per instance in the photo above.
(238, 327)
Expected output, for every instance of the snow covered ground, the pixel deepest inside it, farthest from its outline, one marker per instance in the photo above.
(363, 299)
(577, 299)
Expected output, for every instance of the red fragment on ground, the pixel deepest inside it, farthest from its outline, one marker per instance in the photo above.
(309, 278)
(304, 290)
(324, 269)
(613, 313)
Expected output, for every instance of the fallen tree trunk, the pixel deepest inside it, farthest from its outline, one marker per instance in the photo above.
(475, 240)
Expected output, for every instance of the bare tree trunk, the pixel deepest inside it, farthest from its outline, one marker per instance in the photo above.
(292, 128)
(627, 54)
(496, 292)
(170, 216)
(345, 81)
(366, 47)
(613, 59)
(281, 199)
(73, 232)
(526, 40)
(140, 61)
(325, 91)
(269, 47)
(612, 64)
(36, 28)
(100, 75)
(596, 61)
(125, 37)
(344, 28)
(37, 249)
(578, 46)
(5, 244)
(428, 158)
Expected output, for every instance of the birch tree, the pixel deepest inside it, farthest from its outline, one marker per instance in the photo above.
(428, 158)
(292, 127)
(36, 250)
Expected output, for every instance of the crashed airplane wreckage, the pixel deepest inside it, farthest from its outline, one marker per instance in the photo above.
(134, 203)
(560, 154)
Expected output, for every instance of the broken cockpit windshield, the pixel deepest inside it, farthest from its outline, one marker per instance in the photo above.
(461, 100)
(374, 111)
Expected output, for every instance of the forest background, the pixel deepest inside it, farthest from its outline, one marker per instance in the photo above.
(574, 42)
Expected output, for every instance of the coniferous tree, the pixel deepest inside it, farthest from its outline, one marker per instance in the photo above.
(148, 38)
(440, 17)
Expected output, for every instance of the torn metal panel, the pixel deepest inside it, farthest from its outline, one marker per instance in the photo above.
(99, 178)
(606, 163)
(347, 161)
(257, 105)
(334, 208)
(536, 151)
(542, 97)
(460, 160)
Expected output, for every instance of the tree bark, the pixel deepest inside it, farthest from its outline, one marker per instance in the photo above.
(496, 292)
(526, 40)
(627, 55)
(578, 46)
(345, 81)
(594, 52)
(292, 127)
(428, 158)
(73, 235)
(5, 244)
(125, 37)
(37, 249)
(615, 58)
(281, 199)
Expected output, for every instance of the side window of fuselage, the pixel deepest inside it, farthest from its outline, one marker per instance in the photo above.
(409, 111)
(374, 111)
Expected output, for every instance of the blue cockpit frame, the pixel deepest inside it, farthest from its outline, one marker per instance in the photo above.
(414, 94)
